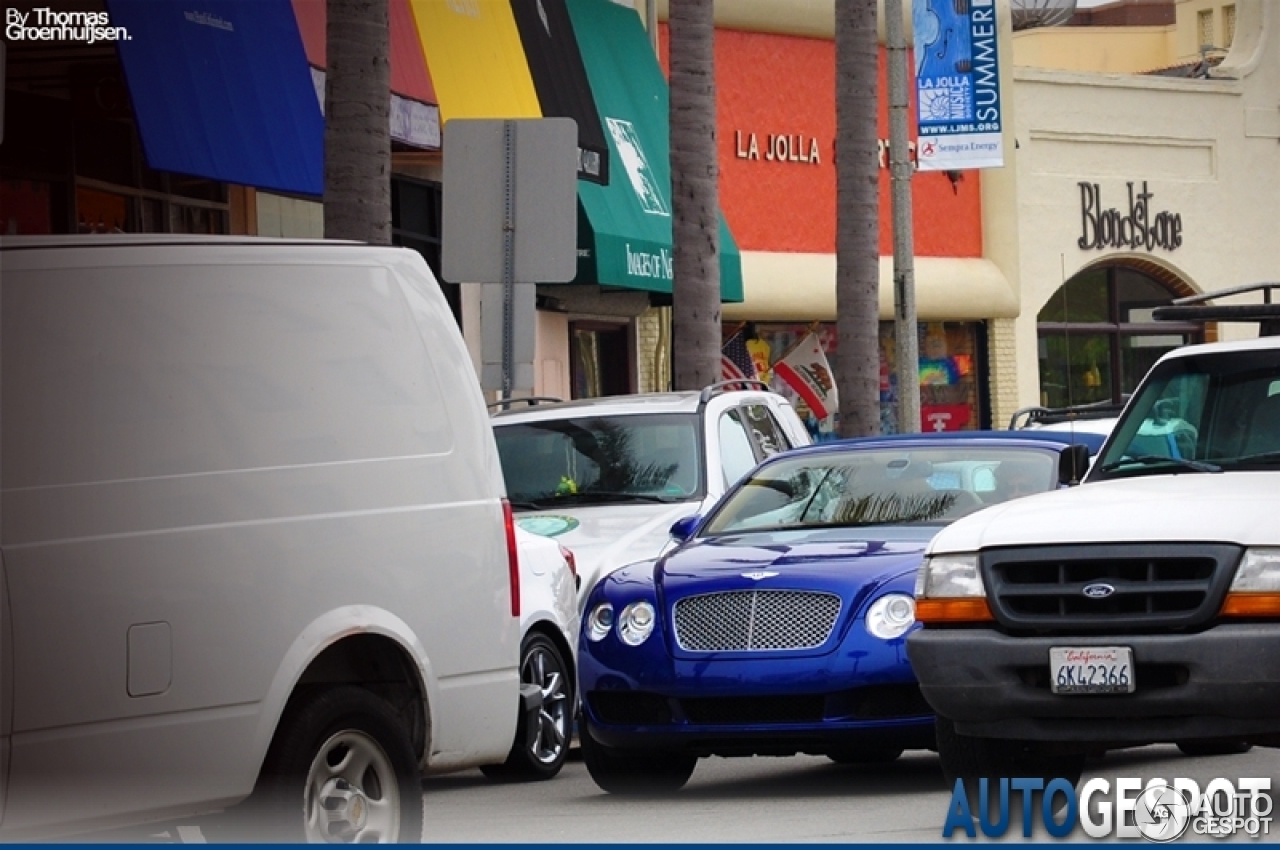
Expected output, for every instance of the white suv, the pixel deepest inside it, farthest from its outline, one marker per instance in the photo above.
(608, 476)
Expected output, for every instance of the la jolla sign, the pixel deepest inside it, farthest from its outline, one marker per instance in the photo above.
(777, 147)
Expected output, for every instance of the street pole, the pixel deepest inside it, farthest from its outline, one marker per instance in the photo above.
(905, 326)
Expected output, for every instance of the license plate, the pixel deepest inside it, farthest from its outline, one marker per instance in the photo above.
(1091, 670)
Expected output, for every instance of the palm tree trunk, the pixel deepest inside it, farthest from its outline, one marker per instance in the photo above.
(857, 218)
(695, 198)
(357, 134)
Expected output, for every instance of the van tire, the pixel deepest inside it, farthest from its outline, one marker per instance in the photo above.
(647, 774)
(541, 664)
(972, 759)
(295, 787)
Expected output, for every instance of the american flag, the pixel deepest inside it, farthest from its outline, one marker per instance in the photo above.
(735, 360)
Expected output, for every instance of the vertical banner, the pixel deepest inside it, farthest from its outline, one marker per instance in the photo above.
(957, 84)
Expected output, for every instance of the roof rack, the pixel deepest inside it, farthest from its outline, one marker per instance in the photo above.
(1050, 415)
(709, 391)
(532, 401)
(1193, 308)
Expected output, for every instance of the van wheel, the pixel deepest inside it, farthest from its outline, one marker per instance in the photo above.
(634, 775)
(341, 769)
(973, 759)
(1214, 748)
(542, 740)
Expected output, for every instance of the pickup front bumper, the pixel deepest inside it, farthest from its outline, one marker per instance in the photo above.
(1220, 683)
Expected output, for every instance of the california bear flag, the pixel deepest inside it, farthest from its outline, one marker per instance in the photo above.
(805, 369)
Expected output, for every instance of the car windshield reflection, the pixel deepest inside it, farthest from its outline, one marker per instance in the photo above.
(881, 487)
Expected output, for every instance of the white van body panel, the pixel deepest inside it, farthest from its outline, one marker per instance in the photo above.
(217, 460)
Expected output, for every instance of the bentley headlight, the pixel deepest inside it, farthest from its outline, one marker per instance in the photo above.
(891, 615)
(599, 622)
(1259, 572)
(949, 577)
(635, 623)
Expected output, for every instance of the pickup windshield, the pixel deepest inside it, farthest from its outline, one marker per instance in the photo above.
(1200, 414)
(601, 460)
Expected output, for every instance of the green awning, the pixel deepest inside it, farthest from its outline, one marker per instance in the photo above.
(624, 227)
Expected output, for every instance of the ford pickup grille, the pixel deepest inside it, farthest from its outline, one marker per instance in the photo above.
(1109, 588)
(755, 620)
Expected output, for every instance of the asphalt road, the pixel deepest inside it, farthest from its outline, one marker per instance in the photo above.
(802, 799)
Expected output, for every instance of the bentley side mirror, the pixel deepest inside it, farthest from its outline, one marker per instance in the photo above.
(682, 529)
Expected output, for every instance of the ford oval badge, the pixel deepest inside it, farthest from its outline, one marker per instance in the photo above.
(759, 574)
(1098, 591)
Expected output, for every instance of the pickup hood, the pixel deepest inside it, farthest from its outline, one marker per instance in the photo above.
(850, 566)
(605, 537)
(1228, 507)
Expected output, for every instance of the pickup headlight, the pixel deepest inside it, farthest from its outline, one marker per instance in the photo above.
(1259, 572)
(635, 623)
(1255, 590)
(949, 589)
(949, 576)
(891, 615)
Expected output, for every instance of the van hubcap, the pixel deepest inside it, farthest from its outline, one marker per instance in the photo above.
(351, 793)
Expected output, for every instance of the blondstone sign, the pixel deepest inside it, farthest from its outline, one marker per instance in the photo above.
(510, 212)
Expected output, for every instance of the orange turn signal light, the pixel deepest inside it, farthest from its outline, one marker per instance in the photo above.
(1251, 605)
(964, 610)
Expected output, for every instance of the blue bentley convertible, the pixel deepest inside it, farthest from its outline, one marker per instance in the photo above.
(778, 625)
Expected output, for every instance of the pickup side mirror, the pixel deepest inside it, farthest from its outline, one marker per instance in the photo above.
(682, 529)
(1073, 463)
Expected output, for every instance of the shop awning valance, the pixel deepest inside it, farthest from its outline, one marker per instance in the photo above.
(223, 91)
(624, 231)
(786, 287)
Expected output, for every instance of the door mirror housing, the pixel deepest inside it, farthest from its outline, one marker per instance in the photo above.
(682, 529)
(1073, 463)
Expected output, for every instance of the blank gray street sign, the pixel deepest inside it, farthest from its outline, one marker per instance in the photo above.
(544, 197)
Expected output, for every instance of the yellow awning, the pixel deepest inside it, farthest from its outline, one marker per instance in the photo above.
(476, 60)
(786, 287)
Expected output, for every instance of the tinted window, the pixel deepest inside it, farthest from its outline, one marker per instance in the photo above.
(599, 459)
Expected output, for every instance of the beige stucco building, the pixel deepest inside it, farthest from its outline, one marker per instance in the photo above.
(1142, 163)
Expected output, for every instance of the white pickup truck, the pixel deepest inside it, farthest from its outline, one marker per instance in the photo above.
(1140, 607)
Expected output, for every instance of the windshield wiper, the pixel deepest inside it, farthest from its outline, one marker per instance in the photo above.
(1153, 460)
(530, 505)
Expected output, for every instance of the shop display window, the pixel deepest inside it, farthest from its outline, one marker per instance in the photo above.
(950, 396)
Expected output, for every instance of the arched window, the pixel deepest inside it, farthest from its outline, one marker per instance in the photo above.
(1097, 338)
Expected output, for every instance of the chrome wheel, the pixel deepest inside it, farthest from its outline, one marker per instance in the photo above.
(542, 667)
(351, 793)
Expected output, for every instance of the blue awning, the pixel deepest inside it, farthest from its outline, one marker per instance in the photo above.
(221, 89)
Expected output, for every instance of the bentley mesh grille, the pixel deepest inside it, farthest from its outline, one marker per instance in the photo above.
(755, 620)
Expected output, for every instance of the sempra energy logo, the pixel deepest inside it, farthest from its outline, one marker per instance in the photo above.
(48, 25)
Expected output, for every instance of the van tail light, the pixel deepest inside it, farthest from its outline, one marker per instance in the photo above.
(569, 558)
(513, 557)
(572, 561)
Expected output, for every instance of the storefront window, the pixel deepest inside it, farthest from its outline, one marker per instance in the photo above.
(950, 385)
(1098, 338)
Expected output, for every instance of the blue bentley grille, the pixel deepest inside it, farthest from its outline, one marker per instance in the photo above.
(755, 620)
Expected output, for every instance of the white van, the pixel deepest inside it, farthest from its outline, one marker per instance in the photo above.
(252, 536)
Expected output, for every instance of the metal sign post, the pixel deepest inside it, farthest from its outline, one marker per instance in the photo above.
(905, 326)
(510, 212)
